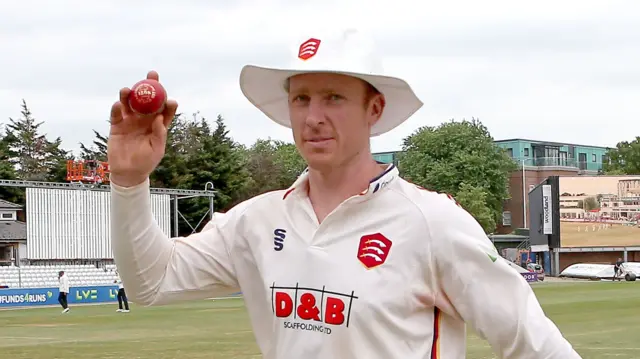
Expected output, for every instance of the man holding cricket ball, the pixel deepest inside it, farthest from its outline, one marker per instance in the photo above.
(351, 261)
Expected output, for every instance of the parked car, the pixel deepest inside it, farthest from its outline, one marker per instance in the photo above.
(536, 268)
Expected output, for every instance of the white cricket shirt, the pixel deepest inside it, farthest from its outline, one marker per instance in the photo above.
(119, 283)
(64, 284)
(393, 273)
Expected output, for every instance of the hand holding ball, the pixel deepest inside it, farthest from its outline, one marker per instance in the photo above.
(147, 97)
(139, 123)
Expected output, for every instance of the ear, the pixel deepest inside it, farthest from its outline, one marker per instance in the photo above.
(376, 108)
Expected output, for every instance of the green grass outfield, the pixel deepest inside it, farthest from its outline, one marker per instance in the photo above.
(602, 320)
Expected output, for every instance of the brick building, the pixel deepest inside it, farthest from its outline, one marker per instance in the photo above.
(538, 160)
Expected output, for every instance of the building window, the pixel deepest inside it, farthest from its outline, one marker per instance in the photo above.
(506, 218)
(526, 152)
(552, 155)
(510, 152)
(563, 158)
(6, 215)
(593, 158)
(582, 161)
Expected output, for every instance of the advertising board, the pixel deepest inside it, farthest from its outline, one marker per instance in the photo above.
(547, 210)
(30, 297)
(530, 276)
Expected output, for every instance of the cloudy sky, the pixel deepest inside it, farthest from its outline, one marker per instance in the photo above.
(565, 71)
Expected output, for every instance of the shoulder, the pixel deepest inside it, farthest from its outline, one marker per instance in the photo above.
(446, 221)
(268, 200)
(435, 206)
(453, 234)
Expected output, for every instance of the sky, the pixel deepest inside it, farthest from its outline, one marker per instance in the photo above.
(565, 71)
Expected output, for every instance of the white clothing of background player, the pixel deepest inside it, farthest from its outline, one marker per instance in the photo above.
(63, 291)
(351, 261)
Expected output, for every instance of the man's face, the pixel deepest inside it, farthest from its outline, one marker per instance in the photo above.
(331, 116)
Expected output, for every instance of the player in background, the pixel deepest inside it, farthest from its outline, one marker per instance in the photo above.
(64, 288)
(122, 296)
(351, 261)
(617, 269)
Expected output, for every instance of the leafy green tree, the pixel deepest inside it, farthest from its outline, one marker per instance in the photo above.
(624, 159)
(261, 164)
(461, 159)
(289, 161)
(474, 200)
(591, 203)
(272, 165)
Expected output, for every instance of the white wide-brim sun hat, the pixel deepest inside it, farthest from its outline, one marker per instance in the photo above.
(348, 53)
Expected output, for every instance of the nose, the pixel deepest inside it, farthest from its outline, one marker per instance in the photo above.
(315, 112)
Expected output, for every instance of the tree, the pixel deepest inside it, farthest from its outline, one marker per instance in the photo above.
(197, 154)
(8, 172)
(261, 164)
(624, 159)
(272, 165)
(461, 159)
(56, 161)
(289, 162)
(172, 172)
(36, 158)
(474, 199)
(98, 149)
(219, 161)
(591, 203)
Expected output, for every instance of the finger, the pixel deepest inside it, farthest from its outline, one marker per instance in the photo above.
(124, 101)
(153, 75)
(159, 131)
(116, 113)
(169, 112)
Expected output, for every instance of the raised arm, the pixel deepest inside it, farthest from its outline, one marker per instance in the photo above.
(489, 295)
(157, 269)
(154, 268)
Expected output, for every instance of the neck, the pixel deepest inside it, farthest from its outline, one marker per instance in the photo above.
(330, 187)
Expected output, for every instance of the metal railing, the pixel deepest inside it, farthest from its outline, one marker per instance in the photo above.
(524, 245)
(558, 162)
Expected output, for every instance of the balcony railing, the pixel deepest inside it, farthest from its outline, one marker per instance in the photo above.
(558, 162)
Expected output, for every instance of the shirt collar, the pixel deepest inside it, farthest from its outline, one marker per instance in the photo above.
(376, 185)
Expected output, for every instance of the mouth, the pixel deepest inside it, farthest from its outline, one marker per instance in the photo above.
(319, 142)
(319, 139)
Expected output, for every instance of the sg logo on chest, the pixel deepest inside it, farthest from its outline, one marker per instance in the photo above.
(373, 250)
(278, 239)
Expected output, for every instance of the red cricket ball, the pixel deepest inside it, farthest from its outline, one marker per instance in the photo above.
(147, 97)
